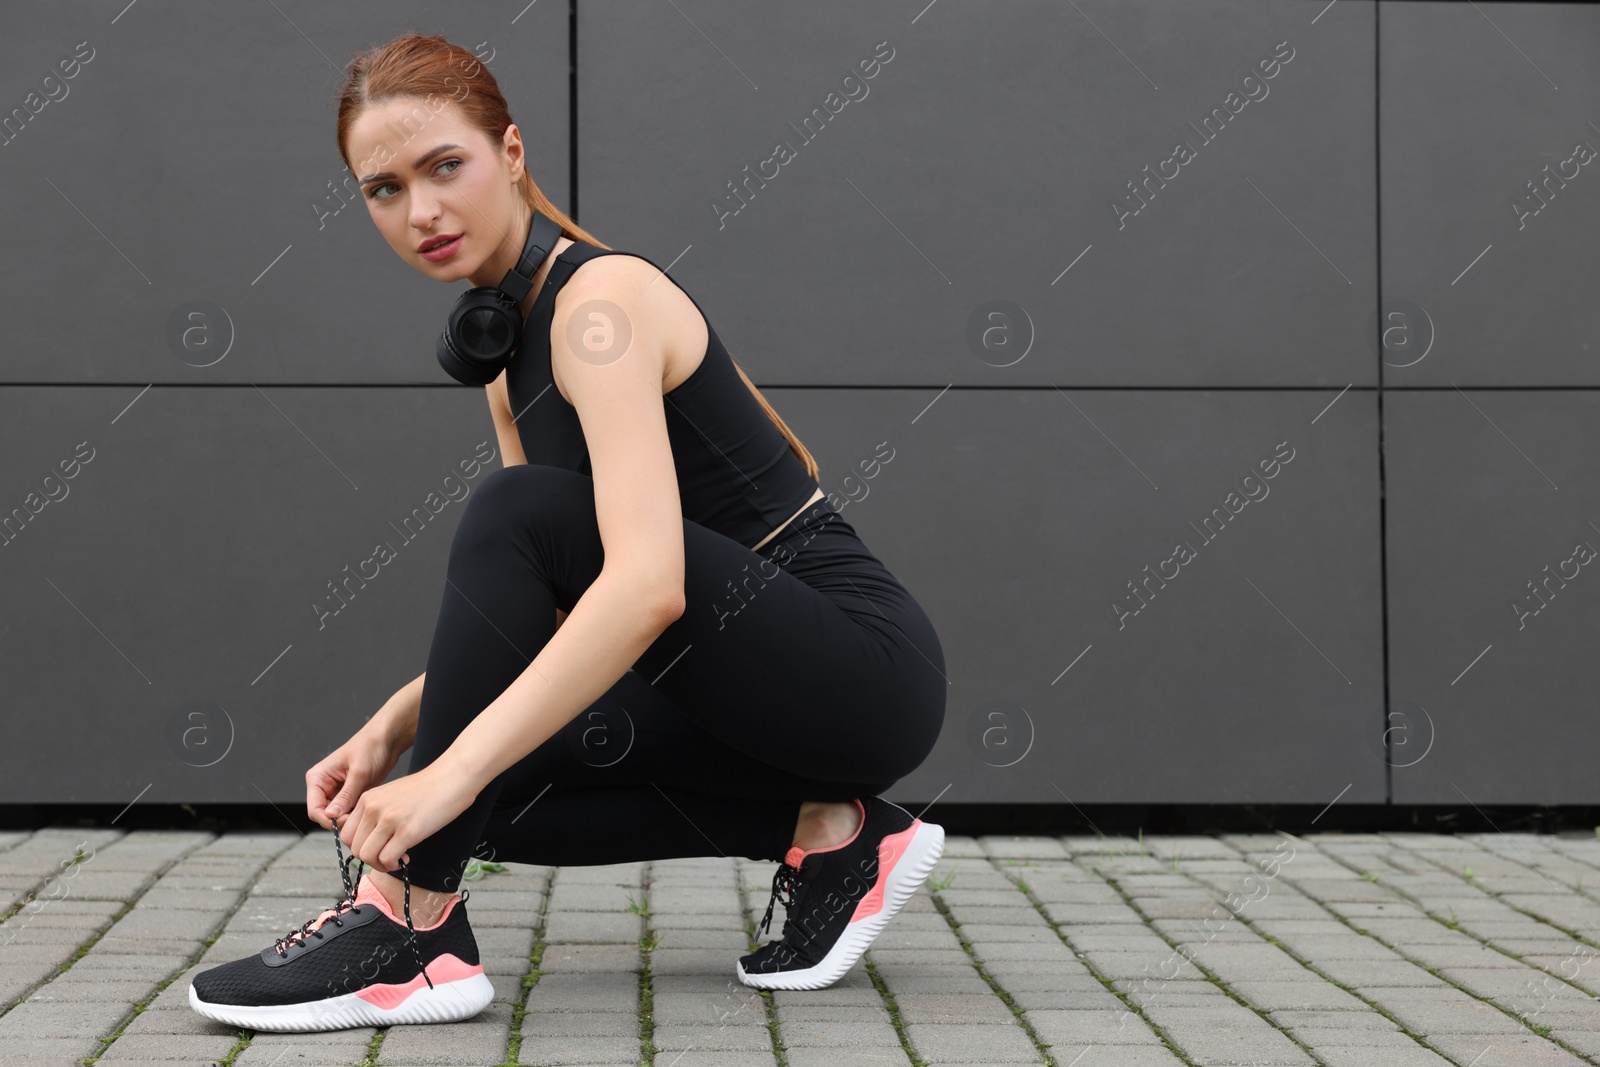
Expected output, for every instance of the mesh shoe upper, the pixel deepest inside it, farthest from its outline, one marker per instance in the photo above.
(344, 951)
(824, 887)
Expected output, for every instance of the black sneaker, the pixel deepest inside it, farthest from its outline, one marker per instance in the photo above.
(352, 966)
(841, 897)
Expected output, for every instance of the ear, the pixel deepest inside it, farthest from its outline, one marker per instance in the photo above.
(511, 144)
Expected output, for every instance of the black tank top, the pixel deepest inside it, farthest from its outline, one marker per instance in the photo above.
(736, 472)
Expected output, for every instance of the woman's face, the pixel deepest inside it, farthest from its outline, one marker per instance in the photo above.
(427, 175)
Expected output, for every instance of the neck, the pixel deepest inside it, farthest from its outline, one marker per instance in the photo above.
(509, 251)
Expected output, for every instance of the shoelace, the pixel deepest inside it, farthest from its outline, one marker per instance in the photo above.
(785, 880)
(298, 936)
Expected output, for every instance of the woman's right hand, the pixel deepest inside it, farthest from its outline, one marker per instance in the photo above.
(338, 781)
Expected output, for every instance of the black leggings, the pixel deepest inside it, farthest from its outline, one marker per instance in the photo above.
(803, 671)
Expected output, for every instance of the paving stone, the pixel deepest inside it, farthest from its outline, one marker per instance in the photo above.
(584, 991)
(677, 1037)
(579, 1024)
(991, 915)
(23, 933)
(70, 989)
(1010, 847)
(971, 1043)
(1342, 1020)
(477, 1041)
(891, 1055)
(44, 1019)
(1001, 933)
(908, 938)
(1586, 1042)
(144, 922)
(1117, 1056)
(966, 980)
(730, 943)
(338, 1048)
(1092, 1027)
(1377, 973)
(1474, 954)
(172, 1022)
(1413, 1056)
(1052, 951)
(92, 884)
(1349, 946)
(579, 1050)
(958, 894)
(41, 1051)
(1459, 1015)
(569, 957)
(1503, 1050)
(952, 1008)
(612, 900)
(38, 959)
(577, 926)
(1207, 1043)
(944, 959)
(159, 964)
(190, 1048)
(864, 1016)
(1297, 996)
(1033, 1001)
(691, 961)
(505, 941)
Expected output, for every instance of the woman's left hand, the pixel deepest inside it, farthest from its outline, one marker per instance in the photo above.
(390, 818)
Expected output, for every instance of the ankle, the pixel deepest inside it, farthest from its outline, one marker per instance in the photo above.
(825, 824)
(426, 904)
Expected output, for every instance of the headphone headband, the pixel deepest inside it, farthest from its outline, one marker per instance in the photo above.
(542, 236)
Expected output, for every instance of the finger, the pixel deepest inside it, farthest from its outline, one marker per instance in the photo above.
(348, 825)
(394, 850)
(320, 814)
(314, 803)
(375, 843)
(387, 850)
(345, 799)
(365, 824)
(352, 827)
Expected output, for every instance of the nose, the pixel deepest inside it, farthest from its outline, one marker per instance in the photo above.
(424, 213)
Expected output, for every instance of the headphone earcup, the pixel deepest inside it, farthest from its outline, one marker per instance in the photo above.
(483, 330)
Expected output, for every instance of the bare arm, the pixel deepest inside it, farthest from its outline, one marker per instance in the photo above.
(396, 721)
(639, 591)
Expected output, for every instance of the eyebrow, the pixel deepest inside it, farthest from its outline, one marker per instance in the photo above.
(417, 165)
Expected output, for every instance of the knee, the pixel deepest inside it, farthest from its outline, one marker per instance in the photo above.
(530, 485)
(519, 498)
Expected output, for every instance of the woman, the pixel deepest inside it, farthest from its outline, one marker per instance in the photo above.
(656, 639)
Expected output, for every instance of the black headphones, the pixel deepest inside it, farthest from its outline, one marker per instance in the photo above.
(485, 326)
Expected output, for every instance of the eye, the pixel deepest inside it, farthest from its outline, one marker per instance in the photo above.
(373, 195)
(447, 163)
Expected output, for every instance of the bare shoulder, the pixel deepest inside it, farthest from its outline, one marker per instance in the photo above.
(654, 310)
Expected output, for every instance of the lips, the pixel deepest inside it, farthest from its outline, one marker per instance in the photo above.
(435, 242)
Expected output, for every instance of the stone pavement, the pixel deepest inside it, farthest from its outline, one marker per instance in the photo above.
(1349, 950)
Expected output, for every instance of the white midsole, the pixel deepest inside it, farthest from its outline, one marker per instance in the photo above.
(445, 1002)
(926, 846)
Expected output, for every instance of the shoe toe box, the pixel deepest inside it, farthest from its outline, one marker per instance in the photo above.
(241, 982)
(250, 982)
(774, 957)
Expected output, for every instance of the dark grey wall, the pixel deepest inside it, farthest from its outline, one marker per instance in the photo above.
(1080, 342)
